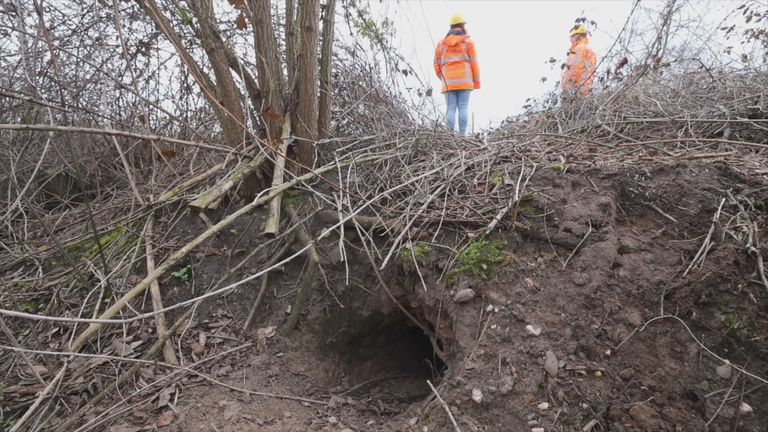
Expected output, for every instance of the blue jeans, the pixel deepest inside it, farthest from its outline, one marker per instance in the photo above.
(457, 100)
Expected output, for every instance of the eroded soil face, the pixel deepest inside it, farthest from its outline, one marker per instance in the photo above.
(596, 256)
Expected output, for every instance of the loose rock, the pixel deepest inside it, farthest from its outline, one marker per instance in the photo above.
(495, 298)
(477, 395)
(550, 363)
(744, 408)
(537, 429)
(533, 330)
(464, 295)
(543, 406)
(724, 371)
(507, 384)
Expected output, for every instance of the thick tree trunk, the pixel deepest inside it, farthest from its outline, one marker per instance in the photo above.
(216, 50)
(326, 59)
(268, 63)
(290, 41)
(306, 76)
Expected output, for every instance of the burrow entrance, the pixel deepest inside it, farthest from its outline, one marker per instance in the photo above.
(385, 356)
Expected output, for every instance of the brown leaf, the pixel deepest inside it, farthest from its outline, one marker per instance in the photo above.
(240, 22)
(165, 419)
(169, 153)
(237, 4)
(262, 335)
(197, 348)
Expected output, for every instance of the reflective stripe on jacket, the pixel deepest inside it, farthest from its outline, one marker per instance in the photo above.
(579, 73)
(456, 63)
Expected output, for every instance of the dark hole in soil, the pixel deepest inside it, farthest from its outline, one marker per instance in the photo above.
(389, 357)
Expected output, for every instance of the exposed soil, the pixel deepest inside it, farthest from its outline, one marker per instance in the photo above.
(362, 364)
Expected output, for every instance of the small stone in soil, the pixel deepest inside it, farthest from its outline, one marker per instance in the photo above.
(724, 371)
(477, 395)
(507, 384)
(533, 329)
(626, 374)
(543, 406)
(744, 408)
(537, 429)
(495, 298)
(550, 363)
(464, 296)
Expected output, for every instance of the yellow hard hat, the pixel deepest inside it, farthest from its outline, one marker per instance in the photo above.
(579, 30)
(457, 19)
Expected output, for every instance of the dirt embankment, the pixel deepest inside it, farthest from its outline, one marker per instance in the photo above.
(600, 316)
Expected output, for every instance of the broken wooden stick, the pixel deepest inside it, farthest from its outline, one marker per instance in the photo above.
(513, 203)
(186, 184)
(272, 225)
(702, 253)
(210, 199)
(445, 406)
(169, 354)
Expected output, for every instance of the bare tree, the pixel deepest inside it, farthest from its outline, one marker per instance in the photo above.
(306, 80)
(326, 59)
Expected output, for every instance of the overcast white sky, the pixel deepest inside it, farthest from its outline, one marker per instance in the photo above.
(514, 39)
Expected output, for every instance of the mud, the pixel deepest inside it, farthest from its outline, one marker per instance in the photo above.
(597, 254)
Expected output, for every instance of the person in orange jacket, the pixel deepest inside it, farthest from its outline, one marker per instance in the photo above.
(457, 67)
(579, 73)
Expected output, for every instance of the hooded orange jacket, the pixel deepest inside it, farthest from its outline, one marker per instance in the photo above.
(579, 73)
(456, 63)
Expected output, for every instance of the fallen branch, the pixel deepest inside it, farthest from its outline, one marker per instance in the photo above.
(445, 406)
(272, 225)
(660, 211)
(169, 354)
(210, 199)
(183, 186)
(702, 253)
(513, 203)
(759, 256)
(589, 231)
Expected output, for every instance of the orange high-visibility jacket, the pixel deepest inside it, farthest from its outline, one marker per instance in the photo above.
(456, 63)
(579, 73)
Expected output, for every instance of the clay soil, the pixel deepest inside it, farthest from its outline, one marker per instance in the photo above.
(597, 254)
